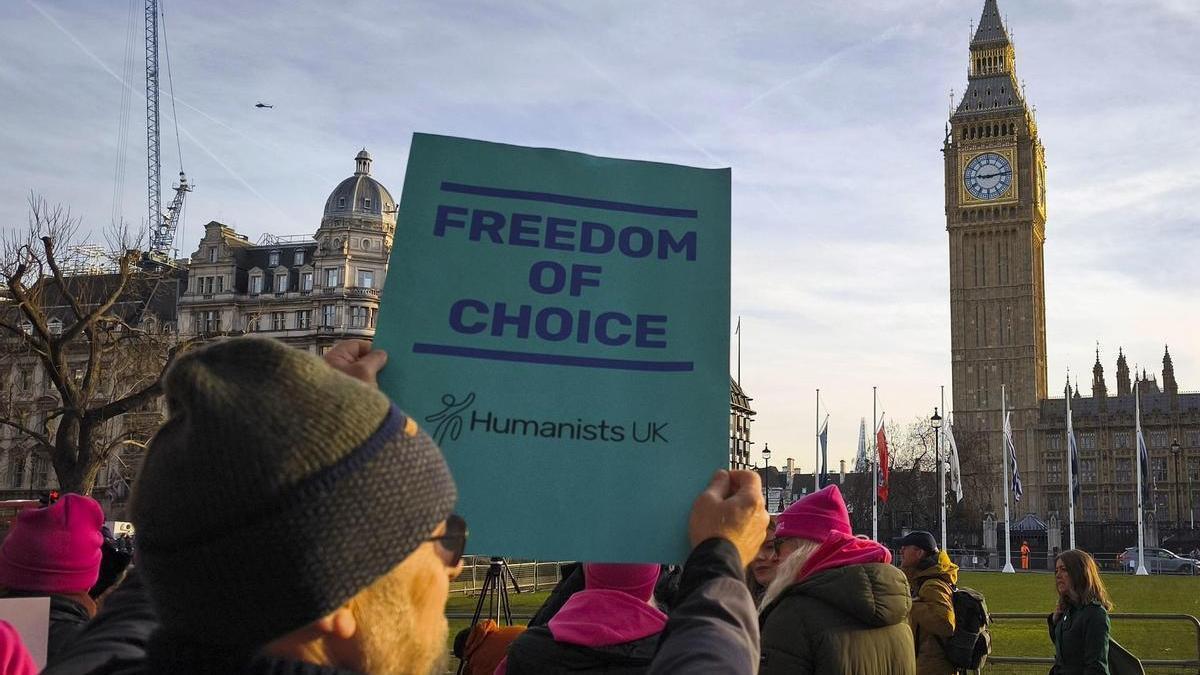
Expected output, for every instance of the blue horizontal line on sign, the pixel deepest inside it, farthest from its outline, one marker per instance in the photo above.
(553, 359)
(568, 200)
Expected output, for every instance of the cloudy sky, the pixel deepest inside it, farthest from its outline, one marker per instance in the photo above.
(830, 113)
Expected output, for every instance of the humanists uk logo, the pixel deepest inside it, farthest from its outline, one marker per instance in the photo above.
(457, 416)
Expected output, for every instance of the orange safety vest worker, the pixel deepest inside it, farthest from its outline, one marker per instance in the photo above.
(1024, 555)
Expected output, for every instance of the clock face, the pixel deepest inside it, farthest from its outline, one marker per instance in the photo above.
(988, 176)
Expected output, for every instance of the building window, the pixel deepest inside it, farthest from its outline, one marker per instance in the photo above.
(298, 259)
(1158, 468)
(306, 282)
(209, 321)
(212, 254)
(341, 202)
(281, 282)
(358, 317)
(1158, 439)
(220, 284)
(1193, 468)
(25, 379)
(1122, 439)
(1053, 442)
(366, 278)
(1087, 471)
(328, 315)
(39, 476)
(255, 284)
(1126, 507)
(331, 277)
(1090, 512)
(253, 324)
(366, 244)
(273, 259)
(27, 328)
(55, 326)
(1160, 505)
(366, 202)
(1054, 471)
(16, 469)
(1124, 471)
(278, 321)
(1193, 439)
(304, 318)
(1087, 441)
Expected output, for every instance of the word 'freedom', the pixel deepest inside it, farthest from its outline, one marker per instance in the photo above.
(470, 316)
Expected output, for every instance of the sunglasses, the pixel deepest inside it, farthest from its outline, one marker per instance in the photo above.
(454, 541)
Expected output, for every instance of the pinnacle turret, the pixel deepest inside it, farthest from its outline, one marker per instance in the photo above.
(1124, 388)
(991, 32)
(1168, 373)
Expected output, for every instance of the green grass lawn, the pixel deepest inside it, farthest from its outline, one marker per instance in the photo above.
(1139, 595)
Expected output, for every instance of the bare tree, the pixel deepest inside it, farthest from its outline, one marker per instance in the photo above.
(92, 330)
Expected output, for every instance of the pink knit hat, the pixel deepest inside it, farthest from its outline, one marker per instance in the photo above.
(633, 579)
(54, 549)
(815, 516)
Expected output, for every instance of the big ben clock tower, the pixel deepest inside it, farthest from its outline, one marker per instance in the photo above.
(996, 221)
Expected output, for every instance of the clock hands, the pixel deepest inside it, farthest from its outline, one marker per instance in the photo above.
(993, 175)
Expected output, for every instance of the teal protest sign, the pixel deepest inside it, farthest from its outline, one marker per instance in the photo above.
(559, 323)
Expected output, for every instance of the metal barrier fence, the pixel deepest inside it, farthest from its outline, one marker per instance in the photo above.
(979, 559)
(1014, 664)
(531, 575)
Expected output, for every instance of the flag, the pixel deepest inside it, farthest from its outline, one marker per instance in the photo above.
(1143, 455)
(1072, 452)
(955, 470)
(823, 437)
(738, 330)
(882, 445)
(1012, 457)
(862, 463)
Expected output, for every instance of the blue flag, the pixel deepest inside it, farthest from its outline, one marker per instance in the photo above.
(1143, 455)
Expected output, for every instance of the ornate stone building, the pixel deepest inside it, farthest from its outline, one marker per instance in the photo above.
(309, 291)
(740, 417)
(995, 202)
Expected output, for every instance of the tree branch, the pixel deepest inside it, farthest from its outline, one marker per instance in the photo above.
(41, 439)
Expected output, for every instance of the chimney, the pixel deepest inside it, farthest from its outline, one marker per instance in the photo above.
(842, 473)
(791, 468)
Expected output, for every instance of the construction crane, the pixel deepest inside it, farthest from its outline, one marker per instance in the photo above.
(162, 224)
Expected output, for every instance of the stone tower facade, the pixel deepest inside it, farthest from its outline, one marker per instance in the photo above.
(996, 220)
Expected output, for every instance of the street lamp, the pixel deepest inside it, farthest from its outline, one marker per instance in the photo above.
(936, 423)
(1175, 487)
(766, 453)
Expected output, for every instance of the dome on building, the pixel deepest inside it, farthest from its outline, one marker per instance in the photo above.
(361, 196)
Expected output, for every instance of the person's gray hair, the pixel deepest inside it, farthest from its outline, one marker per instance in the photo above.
(785, 574)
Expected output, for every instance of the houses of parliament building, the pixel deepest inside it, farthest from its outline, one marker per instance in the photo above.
(996, 220)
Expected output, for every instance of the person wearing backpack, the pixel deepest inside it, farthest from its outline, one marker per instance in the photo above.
(931, 579)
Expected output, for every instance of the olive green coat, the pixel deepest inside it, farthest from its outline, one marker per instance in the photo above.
(1081, 640)
(845, 621)
(932, 615)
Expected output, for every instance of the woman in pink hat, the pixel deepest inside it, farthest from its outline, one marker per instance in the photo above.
(55, 552)
(608, 627)
(837, 604)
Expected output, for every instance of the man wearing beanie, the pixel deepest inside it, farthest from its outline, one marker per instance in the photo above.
(931, 577)
(292, 520)
(55, 551)
(837, 605)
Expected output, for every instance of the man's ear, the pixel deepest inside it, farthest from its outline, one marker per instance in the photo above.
(339, 624)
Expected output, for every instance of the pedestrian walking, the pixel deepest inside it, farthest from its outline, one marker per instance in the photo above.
(931, 578)
(837, 604)
(1079, 626)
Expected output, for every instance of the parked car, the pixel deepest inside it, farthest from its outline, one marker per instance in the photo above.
(1158, 561)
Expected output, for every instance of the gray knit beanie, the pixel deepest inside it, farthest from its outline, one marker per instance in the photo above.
(277, 489)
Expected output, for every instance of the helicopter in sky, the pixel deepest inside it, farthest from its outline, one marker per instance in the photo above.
(260, 104)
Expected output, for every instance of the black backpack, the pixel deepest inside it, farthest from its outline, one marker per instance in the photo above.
(969, 646)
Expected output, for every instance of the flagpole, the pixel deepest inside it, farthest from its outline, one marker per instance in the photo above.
(1137, 398)
(818, 466)
(874, 466)
(739, 351)
(1008, 566)
(941, 471)
(1070, 472)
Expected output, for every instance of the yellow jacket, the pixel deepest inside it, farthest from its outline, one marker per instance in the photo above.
(932, 616)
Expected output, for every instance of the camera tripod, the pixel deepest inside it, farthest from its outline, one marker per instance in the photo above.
(494, 593)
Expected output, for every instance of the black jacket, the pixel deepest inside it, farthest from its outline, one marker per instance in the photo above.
(67, 619)
(536, 651)
(712, 627)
